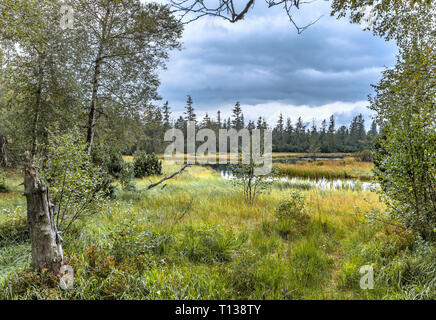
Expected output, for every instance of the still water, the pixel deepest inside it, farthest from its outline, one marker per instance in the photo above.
(322, 184)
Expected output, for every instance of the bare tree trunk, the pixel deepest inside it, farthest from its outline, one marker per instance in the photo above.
(45, 239)
(3, 152)
(95, 84)
(36, 115)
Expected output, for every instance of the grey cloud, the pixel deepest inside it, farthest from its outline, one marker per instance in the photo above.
(332, 61)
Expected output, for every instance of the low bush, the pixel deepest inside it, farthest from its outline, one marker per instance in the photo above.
(109, 160)
(291, 216)
(366, 156)
(126, 177)
(291, 208)
(146, 165)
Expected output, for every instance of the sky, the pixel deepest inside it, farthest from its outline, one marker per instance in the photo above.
(262, 62)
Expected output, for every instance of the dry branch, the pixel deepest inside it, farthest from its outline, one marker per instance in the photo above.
(153, 185)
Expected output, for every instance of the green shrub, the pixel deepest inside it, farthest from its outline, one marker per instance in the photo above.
(291, 208)
(3, 187)
(77, 186)
(366, 156)
(110, 160)
(126, 177)
(145, 165)
(291, 216)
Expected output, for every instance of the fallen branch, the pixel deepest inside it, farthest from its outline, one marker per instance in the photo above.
(153, 185)
(186, 211)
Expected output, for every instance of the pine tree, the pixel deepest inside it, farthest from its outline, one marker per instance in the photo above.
(251, 126)
(219, 124)
(180, 124)
(166, 115)
(300, 142)
(288, 131)
(259, 123)
(238, 117)
(207, 122)
(189, 113)
(314, 140)
(331, 143)
(278, 134)
(372, 134)
(280, 124)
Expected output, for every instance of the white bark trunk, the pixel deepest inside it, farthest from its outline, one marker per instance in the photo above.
(45, 239)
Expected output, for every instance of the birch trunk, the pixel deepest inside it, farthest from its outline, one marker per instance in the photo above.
(95, 84)
(45, 239)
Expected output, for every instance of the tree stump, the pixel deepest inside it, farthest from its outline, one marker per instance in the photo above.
(44, 237)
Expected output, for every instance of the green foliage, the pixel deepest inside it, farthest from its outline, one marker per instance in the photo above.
(293, 207)
(298, 138)
(128, 240)
(77, 186)
(404, 266)
(14, 231)
(223, 248)
(311, 264)
(299, 185)
(3, 187)
(252, 184)
(393, 19)
(109, 160)
(405, 163)
(414, 271)
(292, 219)
(146, 165)
(366, 156)
(127, 176)
(210, 244)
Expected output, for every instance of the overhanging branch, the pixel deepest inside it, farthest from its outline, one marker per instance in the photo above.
(226, 10)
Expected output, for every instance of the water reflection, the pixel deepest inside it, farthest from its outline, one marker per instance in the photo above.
(321, 184)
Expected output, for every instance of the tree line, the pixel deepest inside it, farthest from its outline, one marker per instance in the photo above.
(287, 136)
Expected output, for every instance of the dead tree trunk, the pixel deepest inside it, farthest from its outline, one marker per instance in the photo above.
(3, 152)
(45, 239)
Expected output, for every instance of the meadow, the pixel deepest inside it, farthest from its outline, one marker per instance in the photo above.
(197, 238)
(328, 169)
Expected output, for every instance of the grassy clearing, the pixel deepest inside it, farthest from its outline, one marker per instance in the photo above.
(347, 169)
(223, 248)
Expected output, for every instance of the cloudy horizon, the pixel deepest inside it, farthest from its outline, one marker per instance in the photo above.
(263, 63)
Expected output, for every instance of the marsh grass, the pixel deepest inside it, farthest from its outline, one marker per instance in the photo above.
(347, 169)
(222, 248)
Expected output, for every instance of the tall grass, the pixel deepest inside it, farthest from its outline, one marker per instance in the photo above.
(153, 245)
(348, 169)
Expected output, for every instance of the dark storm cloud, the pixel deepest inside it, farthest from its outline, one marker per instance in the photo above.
(262, 60)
